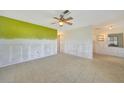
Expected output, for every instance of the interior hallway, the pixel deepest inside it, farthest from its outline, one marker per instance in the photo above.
(66, 68)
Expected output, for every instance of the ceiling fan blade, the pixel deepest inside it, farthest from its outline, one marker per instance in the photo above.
(66, 11)
(67, 19)
(53, 23)
(56, 18)
(68, 23)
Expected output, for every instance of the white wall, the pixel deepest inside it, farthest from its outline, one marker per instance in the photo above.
(78, 42)
(21, 50)
(1, 12)
(101, 47)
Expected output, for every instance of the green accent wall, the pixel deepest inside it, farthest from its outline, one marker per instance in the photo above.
(16, 29)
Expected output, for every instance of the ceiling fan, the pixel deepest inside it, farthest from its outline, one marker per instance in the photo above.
(61, 20)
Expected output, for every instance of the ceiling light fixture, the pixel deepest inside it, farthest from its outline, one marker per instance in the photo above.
(61, 23)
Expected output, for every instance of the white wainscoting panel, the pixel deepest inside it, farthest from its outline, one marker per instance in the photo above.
(78, 49)
(21, 50)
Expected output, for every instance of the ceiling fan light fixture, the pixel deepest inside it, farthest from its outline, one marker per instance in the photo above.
(61, 23)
